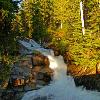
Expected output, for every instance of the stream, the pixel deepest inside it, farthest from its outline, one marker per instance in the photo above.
(62, 87)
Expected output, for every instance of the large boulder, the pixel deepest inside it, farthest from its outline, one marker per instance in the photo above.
(39, 59)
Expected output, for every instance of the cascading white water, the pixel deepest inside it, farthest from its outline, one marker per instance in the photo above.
(62, 87)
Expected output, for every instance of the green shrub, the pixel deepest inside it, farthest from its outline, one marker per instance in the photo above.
(84, 50)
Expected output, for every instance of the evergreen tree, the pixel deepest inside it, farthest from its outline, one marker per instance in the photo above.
(35, 18)
(7, 10)
(94, 20)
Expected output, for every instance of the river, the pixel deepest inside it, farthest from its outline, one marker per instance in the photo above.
(62, 87)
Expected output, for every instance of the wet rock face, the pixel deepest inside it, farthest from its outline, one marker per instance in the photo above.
(85, 76)
(39, 60)
(40, 70)
(90, 82)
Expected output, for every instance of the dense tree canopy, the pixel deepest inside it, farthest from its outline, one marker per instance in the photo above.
(8, 8)
(57, 22)
(7, 11)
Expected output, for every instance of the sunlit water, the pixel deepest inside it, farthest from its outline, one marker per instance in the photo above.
(62, 87)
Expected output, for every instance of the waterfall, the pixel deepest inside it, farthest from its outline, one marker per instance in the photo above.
(62, 87)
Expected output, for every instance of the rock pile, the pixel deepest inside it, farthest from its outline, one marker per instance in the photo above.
(40, 70)
(29, 70)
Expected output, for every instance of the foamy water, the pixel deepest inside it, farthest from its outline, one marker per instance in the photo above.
(62, 87)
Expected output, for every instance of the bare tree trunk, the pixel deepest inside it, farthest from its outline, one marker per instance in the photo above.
(82, 18)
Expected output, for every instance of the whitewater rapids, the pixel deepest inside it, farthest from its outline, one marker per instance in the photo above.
(62, 87)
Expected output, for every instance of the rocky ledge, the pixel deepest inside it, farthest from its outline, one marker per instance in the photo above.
(28, 73)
